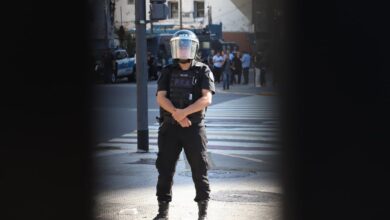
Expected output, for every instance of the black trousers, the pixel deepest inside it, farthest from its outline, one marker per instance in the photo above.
(217, 71)
(245, 72)
(238, 73)
(172, 138)
(262, 77)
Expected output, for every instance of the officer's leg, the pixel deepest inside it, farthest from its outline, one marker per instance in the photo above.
(168, 154)
(195, 149)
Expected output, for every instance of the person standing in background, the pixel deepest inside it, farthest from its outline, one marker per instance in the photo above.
(232, 78)
(108, 66)
(237, 66)
(152, 70)
(218, 61)
(246, 63)
(226, 70)
(210, 59)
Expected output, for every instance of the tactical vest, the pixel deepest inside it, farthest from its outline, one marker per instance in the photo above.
(185, 89)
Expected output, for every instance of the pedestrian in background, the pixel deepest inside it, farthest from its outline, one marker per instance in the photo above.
(218, 61)
(226, 70)
(246, 63)
(232, 78)
(152, 69)
(210, 59)
(184, 90)
(263, 79)
(108, 66)
(258, 61)
(237, 67)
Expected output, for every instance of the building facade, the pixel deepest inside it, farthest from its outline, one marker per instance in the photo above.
(102, 35)
(236, 17)
(125, 14)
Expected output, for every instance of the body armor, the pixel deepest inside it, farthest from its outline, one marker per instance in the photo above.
(184, 89)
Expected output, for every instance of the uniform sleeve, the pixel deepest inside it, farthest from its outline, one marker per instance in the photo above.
(208, 80)
(163, 81)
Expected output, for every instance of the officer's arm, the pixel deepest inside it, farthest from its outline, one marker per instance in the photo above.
(164, 102)
(197, 106)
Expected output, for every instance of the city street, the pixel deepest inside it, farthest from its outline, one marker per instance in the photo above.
(310, 142)
(243, 149)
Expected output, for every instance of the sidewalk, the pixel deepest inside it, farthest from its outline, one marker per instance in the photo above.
(244, 193)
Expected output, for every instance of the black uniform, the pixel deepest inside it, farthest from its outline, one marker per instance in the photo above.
(183, 88)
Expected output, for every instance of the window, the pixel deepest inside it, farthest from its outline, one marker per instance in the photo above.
(187, 14)
(124, 54)
(121, 55)
(174, 9)
(130, 2)
(198, 9)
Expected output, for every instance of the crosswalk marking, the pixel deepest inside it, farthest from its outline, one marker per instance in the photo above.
(214, 142)
(220, 135)
(242, 126)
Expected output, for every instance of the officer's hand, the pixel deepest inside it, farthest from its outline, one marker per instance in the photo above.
(185, 123)
(179, 114)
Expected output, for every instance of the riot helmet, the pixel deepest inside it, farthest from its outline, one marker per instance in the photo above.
(184, 45)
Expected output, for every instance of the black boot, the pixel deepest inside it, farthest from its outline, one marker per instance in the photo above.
(202, 210)
(163, 208)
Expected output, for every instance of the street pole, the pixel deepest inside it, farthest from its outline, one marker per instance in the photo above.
(142, 97)
(180, 15)
(121, 15)
(106, 18)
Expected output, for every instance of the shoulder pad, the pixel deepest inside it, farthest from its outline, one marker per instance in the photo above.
(210, 75)
(199, 64)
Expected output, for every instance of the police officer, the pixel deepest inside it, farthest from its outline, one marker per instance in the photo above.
(185, 89)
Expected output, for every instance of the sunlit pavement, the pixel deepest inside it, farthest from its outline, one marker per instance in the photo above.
(243, 152)
(245, 193)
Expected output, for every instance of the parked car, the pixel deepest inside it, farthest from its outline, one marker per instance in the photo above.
(124, 66)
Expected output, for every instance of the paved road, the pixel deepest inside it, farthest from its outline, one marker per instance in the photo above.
(243, 151)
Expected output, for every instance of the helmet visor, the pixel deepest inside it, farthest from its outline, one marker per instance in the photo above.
(183, 48)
